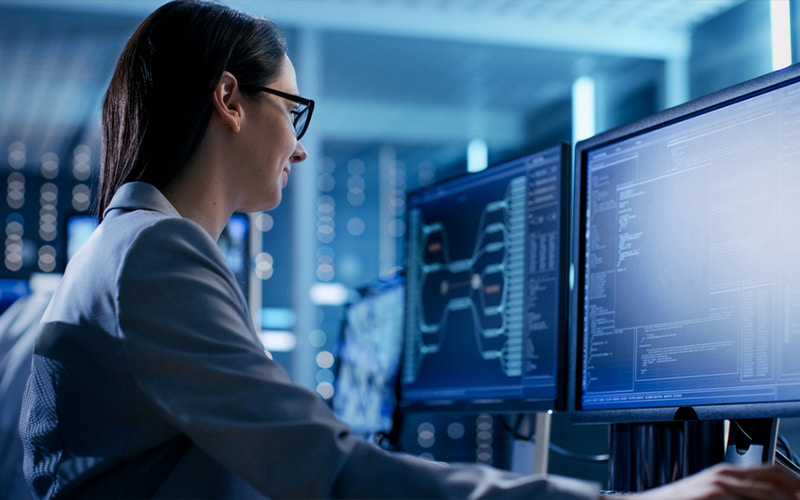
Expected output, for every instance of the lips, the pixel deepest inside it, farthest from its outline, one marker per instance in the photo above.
(285, 172)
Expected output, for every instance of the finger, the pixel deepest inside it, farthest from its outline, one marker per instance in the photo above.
(779, 476)
(756, 490)
(755, 483)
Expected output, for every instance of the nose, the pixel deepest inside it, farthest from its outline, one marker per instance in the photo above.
(299, 153)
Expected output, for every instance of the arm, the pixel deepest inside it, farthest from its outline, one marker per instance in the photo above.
(191, 347)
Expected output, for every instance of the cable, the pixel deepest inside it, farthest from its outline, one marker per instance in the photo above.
(787, 450)
(579, 456)
(786, 462)
(515, 430)
(785, 457)
(515, 434)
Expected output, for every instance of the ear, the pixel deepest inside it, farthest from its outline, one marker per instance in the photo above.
(227, 102)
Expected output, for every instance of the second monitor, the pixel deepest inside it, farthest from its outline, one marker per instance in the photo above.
(687, 291)
(486, 264)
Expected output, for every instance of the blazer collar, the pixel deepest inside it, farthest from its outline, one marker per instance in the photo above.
(140, 196)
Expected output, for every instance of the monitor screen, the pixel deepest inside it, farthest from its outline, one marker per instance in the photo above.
(368, 357)
(235, 245)
(686, 252)
(486, 266)
(11, 290)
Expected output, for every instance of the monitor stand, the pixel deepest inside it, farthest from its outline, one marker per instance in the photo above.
(752, 441)
(646, 455)
(530, 457)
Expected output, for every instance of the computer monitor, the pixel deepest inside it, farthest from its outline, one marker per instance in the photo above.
(11, 290)
(235, 245)
(486, 273)
(686, 298)
(365, 392)
(687, 282)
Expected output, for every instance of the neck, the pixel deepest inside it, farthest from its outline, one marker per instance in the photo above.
(203, 190)
(210, 214)
(198, 193)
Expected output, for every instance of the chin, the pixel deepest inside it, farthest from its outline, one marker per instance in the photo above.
(272, 204)
(263, 205)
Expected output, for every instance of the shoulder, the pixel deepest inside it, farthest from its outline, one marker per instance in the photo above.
(172, 235)
(122, 251)
(165, 246)
(149, 225)
(173, 274)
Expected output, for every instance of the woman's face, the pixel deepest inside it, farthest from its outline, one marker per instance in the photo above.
(270, 145)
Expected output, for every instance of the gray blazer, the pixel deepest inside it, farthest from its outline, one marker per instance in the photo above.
(149, 381)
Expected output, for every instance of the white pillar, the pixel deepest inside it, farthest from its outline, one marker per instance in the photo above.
(583, 108)
(304, 222)
(781, 31)
(477, 155)
(676, 81)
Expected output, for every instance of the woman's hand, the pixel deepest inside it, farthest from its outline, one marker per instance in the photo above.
(728, 482)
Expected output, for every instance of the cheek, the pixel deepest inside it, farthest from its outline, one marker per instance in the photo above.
(281, 144)
(288, 140)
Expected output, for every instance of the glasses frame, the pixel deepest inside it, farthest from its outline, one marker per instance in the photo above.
(308, 103)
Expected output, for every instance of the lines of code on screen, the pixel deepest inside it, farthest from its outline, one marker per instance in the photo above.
(690, 281)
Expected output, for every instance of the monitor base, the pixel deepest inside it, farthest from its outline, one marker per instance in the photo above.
(752, 441)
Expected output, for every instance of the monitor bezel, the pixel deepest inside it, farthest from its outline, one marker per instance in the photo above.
(512, 405)
(695, 107)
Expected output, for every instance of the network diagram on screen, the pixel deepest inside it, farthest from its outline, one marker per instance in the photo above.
(691, 282)
(482, 274)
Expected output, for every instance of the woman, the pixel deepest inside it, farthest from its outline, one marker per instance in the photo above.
(148, 378)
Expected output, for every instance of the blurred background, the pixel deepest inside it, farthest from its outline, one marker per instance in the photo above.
(408, 92)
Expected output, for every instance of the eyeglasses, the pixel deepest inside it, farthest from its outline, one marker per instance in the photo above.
(301, 115)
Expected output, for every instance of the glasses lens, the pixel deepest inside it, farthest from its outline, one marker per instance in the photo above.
(300, 121)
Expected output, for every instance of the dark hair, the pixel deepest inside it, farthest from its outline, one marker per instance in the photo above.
(158, 104)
